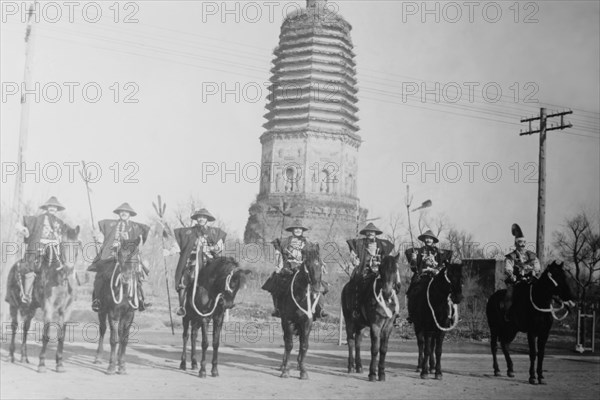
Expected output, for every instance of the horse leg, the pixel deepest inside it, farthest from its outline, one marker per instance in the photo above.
(204, 327)
(532, 356)
(383, 346)
(288, 332)
(439, 342)
(184, 336)
(357, 358)
(427, 345)
(217, 325)
(102, 332)
(114, 338)
(45, 340)
(125, 328)
(194, 340)
(432, 353)
(14, 325)
(421, 346)
(26, 326)
(375, 337)
(505, 345)
(62, 326)
(350, 335)
(542, 339)
(494, 348)
(303, 348)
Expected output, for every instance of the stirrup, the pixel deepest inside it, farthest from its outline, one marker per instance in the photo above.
(180, 311)
(276, 314)
(96, 305)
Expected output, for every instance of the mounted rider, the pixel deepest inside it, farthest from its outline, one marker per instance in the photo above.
(425, 262)
(520, 266)
(119, 238)
(208, 241)
(39, 232)
(288, 257)
(366, 254)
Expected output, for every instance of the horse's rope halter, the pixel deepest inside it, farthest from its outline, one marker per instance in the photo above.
(219, 296)
(131, 290)
(310, 307)
(381, 301)
(551, 310)
(453, 307)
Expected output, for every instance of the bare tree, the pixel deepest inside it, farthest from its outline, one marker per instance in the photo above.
(462, 245)
(579, 245)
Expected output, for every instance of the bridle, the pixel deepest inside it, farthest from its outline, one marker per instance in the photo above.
(310, 305)
(453, 313)
(550, 310)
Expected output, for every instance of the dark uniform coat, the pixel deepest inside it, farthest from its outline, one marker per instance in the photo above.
(133, 236)
(360, 248)
(187, 241)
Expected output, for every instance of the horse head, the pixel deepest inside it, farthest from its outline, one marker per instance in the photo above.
(453, 274)
(313, 267)
(234, 281)
(557, 278)
(388, 272)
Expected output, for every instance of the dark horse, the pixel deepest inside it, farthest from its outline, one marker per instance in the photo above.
(52, 291)
(436, 312)
(379, 306)
(118, 302)
(532, 314)
(297, 306)
(216, 287)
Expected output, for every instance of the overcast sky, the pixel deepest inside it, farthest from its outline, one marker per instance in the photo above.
(178, 52)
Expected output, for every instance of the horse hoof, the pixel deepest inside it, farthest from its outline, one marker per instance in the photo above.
(510, 374)
(382, 378)
(60, 368)
(42, 369)
(541, 381)
(122, 370)
(214, 373)
(438, 377)
(202, 374)
(372, 378)
(194, 366)
(284, 374)
(359, 369)
(532, 381)
(182, 366)
(110, 370)
(423, 376)
(418, 369)
(497, 373)
(303, 375)
(97, 361)
(350, 370)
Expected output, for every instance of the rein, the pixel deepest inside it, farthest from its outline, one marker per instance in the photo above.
(310, 309)
(219, 296)
(550, 310)
(381, 300)
(454, 307)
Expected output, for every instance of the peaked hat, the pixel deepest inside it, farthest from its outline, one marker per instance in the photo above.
(52, 201)
(296, 225)
(372, 228)
(125, 207)
(203, 212)
(430, 234)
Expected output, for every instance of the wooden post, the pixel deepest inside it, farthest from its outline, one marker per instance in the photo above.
(15, 214)
(541, 211)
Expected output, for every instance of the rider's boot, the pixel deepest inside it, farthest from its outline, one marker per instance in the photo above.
(143, 304)
(181, 309)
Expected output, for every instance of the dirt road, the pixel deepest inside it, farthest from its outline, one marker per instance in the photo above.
(248, 369)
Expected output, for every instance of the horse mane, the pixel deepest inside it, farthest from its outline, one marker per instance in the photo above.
(387, 265)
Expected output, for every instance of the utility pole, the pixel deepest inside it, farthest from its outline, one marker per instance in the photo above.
(541, 211)
(15, 214)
